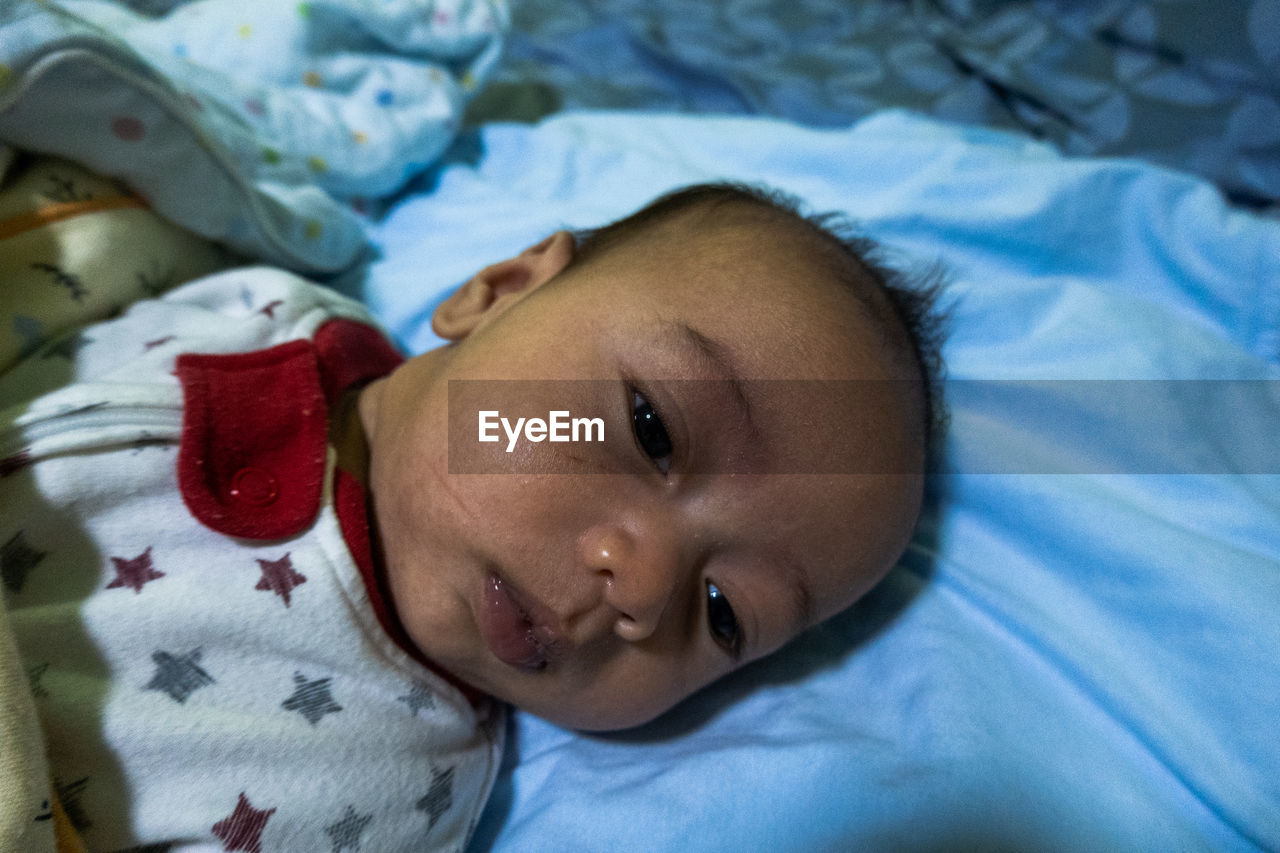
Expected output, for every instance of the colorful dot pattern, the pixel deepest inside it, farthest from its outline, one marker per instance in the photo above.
(245, 103)
(128, 129)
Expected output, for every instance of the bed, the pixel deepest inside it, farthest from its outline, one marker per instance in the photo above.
(1079, 648)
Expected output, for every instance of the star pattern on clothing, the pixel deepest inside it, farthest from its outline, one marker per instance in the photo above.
(346, 832)
(278, 576)
(242, 829)
(69, 794)
(418, 697)
(158, 342)
(135, 573)
(178, 675)
(311, 699)
(17, 559)
(439, 797)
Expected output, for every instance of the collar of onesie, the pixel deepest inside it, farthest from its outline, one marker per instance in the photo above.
(255, 427)
(254, 451)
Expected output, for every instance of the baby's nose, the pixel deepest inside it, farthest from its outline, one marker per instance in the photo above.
(639, 573)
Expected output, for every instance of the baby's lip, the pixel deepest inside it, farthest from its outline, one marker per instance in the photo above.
(518, 629)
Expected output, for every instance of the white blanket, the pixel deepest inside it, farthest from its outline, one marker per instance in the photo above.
(248, 122)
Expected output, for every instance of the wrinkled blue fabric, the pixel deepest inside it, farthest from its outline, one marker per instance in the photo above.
(1060, 661)
(1193, 85)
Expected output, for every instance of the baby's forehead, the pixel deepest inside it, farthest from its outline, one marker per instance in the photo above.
(753, 278)
(730, 245)
(730, 225)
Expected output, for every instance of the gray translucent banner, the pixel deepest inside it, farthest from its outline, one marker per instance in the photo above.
(837, 427)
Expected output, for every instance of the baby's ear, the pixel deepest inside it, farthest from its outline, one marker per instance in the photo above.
(496, 287)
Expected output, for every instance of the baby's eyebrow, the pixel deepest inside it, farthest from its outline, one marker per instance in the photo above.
(720, 359)
(796, 582)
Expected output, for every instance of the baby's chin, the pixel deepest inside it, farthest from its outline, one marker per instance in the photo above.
(590, 717)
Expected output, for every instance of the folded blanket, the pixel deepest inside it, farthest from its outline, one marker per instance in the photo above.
(247, 122)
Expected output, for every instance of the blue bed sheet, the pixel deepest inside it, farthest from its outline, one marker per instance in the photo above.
(1081, 660)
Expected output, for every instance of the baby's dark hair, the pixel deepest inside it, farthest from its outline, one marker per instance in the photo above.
(902, 302)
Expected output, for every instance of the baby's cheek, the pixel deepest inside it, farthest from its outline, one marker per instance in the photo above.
(635, 695)
(531, 508)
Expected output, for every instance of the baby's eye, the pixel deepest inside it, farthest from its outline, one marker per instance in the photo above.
(650, 434)
(723, 624)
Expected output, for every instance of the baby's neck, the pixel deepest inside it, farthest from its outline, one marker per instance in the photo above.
(347, 436)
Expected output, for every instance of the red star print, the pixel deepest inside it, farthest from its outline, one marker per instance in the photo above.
(279, 577)
(270, 308)
(134, 573)
(242, 829)
(158, 342)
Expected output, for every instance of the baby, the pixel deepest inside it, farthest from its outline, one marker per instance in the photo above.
(260, 608)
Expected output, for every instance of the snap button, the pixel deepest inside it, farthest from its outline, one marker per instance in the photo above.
(255, 486)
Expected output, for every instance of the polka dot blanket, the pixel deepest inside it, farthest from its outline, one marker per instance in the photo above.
(260, 125)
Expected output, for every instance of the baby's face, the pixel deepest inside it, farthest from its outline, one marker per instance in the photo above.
(601, 592)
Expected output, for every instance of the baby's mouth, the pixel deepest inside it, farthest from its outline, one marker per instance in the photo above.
(513, 636)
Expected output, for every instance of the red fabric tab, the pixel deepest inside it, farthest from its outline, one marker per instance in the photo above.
(254, 443)
(254, 433)
(352, 353)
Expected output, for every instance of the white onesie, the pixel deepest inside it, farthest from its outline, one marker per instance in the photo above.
(188, 575)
